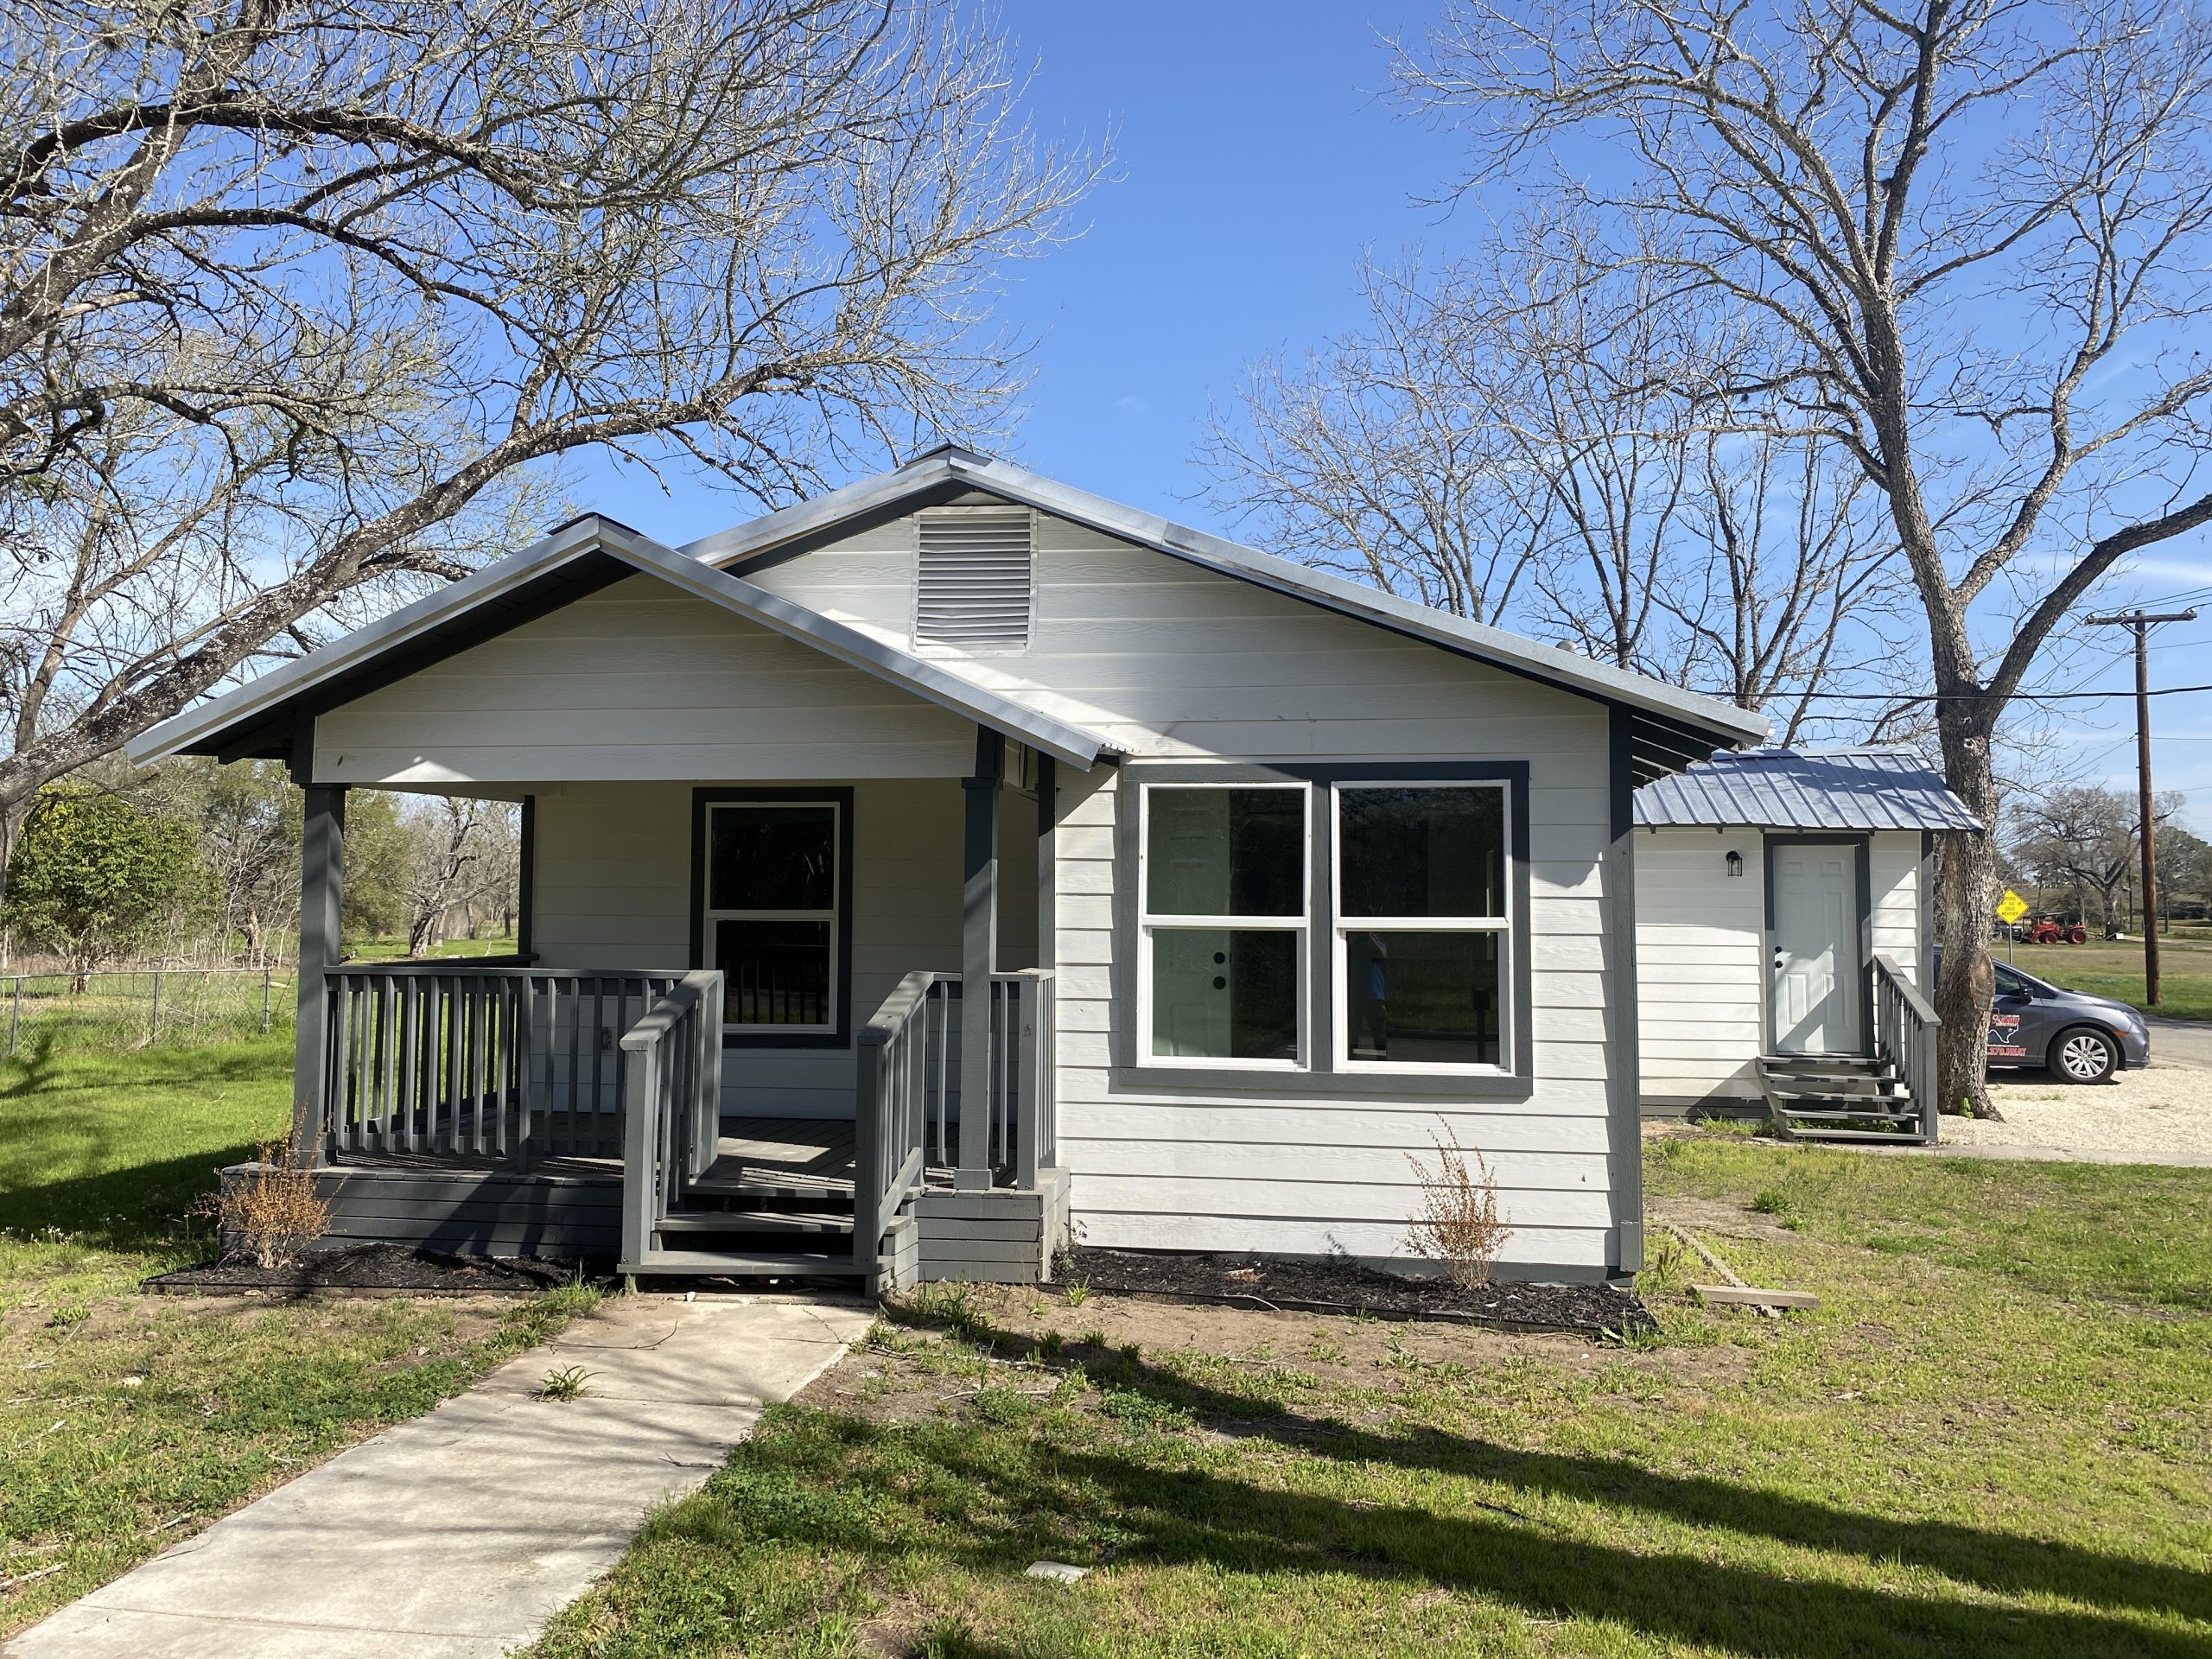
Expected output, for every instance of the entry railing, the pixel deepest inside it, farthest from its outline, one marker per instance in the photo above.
(672, 1085)
(907, 1103)
(500, 1063)
(1904, 1035)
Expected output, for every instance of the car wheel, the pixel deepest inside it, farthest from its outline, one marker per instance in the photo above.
(2082, 1055)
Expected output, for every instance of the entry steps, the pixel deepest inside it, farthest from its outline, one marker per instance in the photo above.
(755, 1225)
(1839, 1097)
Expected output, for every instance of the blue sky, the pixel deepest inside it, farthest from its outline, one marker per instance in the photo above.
(1254, 161)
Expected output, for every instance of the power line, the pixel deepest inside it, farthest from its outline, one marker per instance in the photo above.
(1969, 697)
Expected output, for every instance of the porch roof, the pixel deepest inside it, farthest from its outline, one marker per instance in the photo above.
(266, 718)
(1856, 789)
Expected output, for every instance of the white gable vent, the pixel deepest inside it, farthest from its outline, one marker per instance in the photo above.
(973, 584)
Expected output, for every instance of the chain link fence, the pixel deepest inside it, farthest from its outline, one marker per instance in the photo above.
(182, 1008)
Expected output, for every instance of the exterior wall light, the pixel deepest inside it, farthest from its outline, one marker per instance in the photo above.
(1735, 863)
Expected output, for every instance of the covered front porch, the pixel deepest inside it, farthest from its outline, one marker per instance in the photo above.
(738, 1036)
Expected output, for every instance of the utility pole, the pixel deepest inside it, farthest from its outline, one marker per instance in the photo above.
(2142, 622)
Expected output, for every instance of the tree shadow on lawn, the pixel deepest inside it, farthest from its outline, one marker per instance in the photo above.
(107, 1199)
(1192, 1516)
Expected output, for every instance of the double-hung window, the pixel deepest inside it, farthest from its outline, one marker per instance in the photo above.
(770, 916)
(1423, 928)
(1223, 927)
(1348, 920)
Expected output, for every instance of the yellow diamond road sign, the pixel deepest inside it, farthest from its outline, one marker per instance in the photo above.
(2011, 907)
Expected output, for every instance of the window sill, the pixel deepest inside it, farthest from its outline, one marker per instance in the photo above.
(1320, 1085)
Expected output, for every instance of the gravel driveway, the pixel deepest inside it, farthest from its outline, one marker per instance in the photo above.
(2162, 1112)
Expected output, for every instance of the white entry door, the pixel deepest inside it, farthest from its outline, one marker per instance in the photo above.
(1818, 985)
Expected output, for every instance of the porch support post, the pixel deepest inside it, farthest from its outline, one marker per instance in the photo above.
(322, 892)
(979, 933)
(1048, 890)
(1624, 1066)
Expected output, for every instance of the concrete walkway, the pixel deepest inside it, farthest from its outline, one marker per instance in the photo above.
(457, 1534)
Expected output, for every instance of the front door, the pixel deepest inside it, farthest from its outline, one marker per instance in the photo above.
(1816, 1005)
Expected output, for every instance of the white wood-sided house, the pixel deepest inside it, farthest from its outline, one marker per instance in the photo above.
(1785, 937)
(958, 860)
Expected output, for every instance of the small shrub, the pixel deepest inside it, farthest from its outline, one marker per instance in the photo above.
(1049, 1344)
(68, 1314)
(1774, 1202)
(566, 1383)
(1458, 1222)
(269, 1212)
(1078, 1292)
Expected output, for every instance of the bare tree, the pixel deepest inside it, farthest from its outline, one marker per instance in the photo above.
(446, 849)
(2080, 838)
(292, 298)
(1980, 227)
(1378, 458)
(1785, 587)
(1525, 438)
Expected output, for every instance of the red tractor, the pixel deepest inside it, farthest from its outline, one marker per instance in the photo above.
(2049, 929)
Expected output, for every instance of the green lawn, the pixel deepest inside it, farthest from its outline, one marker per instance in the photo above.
(1990, 1438)
(128, 1421)
(2116, 970)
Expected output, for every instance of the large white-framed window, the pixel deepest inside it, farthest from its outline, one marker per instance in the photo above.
(1223, 925)
(1422, 917)
(769, 914)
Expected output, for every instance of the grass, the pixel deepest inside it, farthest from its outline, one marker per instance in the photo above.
(2115, 969)
(393, 947)
(127, 1421)
(1989, 1439)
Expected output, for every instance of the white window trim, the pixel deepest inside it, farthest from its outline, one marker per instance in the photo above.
(1340, 947)
(708, 915)
(1301, 924)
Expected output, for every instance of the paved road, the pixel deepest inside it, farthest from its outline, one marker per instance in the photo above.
(2183, 1042)
(456, 1535)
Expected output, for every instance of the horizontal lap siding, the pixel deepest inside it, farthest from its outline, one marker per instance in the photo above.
(1699, 941)
(1176, 663)
(639, 682)
(1893, 868)
(614, 891)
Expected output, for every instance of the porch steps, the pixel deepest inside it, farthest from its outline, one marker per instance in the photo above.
(1837, 1097)
(756, 1221)
(744, 1264)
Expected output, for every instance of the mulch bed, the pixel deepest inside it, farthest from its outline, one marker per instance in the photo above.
(378, 1270)
(1348, 1287)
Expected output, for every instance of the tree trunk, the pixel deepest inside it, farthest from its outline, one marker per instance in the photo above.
(1966, 896)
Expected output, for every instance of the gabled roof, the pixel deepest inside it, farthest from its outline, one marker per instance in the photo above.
(1669, 728)
(582, 557)
(1806, 789)
(1673, 727)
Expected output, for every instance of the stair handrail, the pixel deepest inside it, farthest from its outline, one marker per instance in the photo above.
(672, 1062)
(1904, 1035)
(888, 1102)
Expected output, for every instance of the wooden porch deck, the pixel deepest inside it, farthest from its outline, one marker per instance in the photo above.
(783, 1156)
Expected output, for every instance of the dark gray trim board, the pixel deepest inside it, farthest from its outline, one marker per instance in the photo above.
(1862, 865)
(526, 882)
(1516, 1082)
(843, 795)
(1623, 1056)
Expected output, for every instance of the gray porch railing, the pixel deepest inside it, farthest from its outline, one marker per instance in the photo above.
(907, 1103)
(503, 1063)
(672, 1083)
(1904, 1035)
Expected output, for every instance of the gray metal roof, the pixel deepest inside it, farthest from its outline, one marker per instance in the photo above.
(1806, 789)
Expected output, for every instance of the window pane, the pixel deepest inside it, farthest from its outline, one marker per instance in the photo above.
(774, 973)
(1225, 852)
(1225, 994)
(1422, 998)
(1422, 851)
(771, 858)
